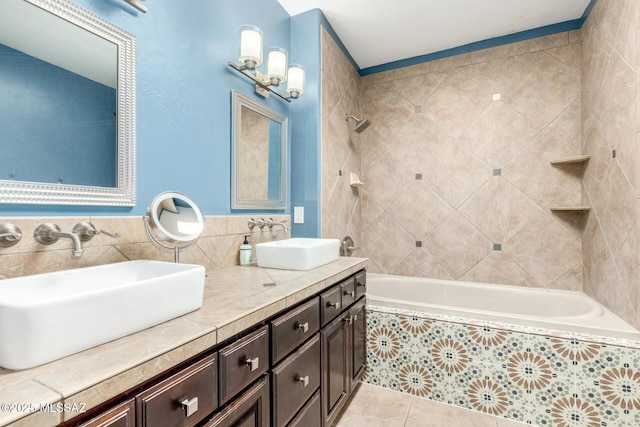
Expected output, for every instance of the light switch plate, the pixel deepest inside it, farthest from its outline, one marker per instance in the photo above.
(298, 214)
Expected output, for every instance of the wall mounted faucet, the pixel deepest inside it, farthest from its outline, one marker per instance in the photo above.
(49, 233)
(271, 222)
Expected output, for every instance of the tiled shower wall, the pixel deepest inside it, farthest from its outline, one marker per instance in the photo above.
(340, 152)
(458, 183)
(610, 134)
(218, 246)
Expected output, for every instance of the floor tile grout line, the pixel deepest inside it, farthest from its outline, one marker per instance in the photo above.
(406, 416)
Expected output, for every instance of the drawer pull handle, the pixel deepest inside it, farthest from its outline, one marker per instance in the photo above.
(304, 326)
(335, 305)
(304, 380)
(190, 406)
(350, 293)
(362, 284)
(349, 320)
(253, 364)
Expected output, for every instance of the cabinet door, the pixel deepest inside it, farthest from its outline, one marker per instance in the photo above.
(335, 375)
(295, 380)
(250, 409)
(122, 415)
(358, 343)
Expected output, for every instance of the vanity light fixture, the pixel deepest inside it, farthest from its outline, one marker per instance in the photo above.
(135, 3)
(278, 72)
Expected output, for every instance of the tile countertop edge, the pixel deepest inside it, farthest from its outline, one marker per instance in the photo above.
(298, 286)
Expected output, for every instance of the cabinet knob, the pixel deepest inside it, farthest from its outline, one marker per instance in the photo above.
(304, 326)
(190, 406)
(362, 284)
(253, 364)
(304, 380)
(348, 320)
(350, 293)
(335, 305)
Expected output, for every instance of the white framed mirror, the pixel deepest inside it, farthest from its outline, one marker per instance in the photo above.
(69, 119)
(258, 156)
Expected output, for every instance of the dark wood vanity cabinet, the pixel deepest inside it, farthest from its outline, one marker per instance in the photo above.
(343, 347)
(294, 370)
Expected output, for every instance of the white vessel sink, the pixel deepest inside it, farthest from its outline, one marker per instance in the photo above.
(297, 253)
(48, 316)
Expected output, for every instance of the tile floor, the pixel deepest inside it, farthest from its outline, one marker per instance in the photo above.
(372, 406)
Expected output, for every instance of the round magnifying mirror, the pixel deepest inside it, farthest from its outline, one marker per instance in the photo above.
(174, 218)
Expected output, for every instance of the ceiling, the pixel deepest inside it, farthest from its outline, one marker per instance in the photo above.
(381, 31)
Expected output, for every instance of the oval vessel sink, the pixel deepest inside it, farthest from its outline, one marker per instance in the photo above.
(48, 316)
(298, 253)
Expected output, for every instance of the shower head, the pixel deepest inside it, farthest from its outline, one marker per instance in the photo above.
(360, 124)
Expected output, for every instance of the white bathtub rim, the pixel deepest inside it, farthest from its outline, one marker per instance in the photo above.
(600, 323)
(620, 339)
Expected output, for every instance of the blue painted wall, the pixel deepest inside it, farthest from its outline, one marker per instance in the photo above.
(58, 123)
(305, 124)
(184, 96)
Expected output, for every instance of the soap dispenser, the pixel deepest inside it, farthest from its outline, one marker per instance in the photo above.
(245, 252)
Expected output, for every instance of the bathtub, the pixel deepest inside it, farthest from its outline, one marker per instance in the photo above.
(512, 305)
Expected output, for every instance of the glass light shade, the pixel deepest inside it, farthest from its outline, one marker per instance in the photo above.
(250, 46)
(277, 66)
(295, 85)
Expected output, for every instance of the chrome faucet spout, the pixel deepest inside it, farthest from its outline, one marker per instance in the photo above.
(49, 233)
(77, 245)
(271, 222)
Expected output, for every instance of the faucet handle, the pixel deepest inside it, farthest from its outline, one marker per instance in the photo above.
(87, 231)
(9, 235)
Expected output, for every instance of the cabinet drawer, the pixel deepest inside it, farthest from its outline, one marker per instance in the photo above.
(310, 415)
(330, 304)
(361, 284)
(242, 362)
(250, 409)
(290, 330)
(348, 292)
(183, 399)
(295, 380)
(122, 415)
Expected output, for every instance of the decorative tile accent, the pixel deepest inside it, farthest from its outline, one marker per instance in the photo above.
(533, 378)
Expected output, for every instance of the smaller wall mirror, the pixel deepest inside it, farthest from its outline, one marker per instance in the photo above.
(173, 221)
(258, 156)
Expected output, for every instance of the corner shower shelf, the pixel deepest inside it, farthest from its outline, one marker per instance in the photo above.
(567, 160)
(570, 208)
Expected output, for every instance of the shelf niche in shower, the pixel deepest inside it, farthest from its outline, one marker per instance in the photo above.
(570, 160)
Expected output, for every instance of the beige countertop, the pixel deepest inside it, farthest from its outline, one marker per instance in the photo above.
(235, 298)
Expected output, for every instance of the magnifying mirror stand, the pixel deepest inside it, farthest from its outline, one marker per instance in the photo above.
(175, 249)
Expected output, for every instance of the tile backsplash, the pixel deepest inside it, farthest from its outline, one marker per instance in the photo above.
(218, 246)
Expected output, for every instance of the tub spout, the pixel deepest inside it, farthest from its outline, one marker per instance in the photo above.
(49, 233)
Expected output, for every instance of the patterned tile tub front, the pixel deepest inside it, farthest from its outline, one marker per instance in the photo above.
(542, 377)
